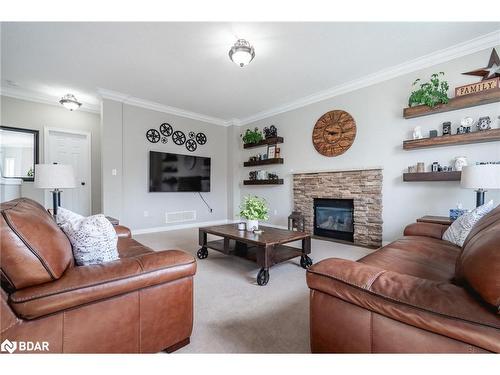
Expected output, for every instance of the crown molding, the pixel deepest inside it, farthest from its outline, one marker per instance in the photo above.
(426, 61)
(138, 102)
(31, 96)
(459, 50)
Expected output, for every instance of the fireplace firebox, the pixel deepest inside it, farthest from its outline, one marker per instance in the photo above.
(334, 218)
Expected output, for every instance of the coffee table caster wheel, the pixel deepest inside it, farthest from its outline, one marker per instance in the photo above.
(263, 277)
(202, 253)
(305, 262)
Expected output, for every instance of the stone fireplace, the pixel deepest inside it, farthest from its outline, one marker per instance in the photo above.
(344, 205)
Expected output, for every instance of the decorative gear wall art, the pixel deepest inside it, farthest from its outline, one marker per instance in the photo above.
(201, 138)
(166, 129)
(179, 138)
(191, 142)
(191, 145)
(153, 136)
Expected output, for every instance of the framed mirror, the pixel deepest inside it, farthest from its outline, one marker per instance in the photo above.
(18, 152)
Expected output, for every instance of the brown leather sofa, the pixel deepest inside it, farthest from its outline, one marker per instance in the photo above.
(418, 294)
(141, 303)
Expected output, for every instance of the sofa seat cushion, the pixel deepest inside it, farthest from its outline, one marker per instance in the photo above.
(87, 284)
(423, 257)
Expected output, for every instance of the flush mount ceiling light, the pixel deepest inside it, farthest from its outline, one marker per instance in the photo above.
(242, 53)
(69, 102)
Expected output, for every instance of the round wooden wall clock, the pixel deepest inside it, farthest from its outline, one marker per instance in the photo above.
(334, 133)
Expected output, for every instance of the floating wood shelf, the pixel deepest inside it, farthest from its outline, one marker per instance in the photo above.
(456, 139)
(263, 162)
(264, 142)
(263, 182)
(459, 102)
(432, 176)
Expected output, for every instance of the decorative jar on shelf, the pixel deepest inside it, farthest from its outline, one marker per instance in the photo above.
(460, 162)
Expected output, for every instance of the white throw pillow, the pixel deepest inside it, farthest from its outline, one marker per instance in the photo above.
(93, 239)
(64, 215)
(461, 227)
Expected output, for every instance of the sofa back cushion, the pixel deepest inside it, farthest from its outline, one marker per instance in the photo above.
(33, 249)
(478, 265)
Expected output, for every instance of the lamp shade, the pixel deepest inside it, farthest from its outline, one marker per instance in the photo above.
(483, 176)
(54, 176)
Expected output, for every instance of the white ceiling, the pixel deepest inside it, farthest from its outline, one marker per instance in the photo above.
(186, 65)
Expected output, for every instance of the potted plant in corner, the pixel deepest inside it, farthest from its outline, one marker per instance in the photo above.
(254, 209)
(430, 93)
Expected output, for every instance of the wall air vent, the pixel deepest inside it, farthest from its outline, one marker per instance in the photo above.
(180, 216)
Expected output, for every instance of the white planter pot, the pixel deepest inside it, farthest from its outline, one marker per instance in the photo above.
(252, 225)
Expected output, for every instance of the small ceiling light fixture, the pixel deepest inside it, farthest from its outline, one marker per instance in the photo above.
(69, 102)
(242, 53)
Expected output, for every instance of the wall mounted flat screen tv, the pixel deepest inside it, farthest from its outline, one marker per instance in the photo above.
(178, 173)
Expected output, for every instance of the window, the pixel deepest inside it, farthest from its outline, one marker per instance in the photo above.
(18, 152)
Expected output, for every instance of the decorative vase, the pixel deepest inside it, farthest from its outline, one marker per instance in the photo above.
(417, 132)
(460, 162)
(252, 225)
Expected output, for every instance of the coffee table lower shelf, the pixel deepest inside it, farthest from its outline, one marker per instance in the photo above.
(281, 253)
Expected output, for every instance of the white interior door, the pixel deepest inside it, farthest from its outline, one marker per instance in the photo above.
(68, 147)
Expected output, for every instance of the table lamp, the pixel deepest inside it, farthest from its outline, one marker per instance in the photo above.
(481, 177)
(54, 176)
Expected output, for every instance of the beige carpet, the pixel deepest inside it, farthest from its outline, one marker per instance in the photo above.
(235, 315)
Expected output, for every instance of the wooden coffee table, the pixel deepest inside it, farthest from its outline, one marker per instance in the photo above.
(267, 248)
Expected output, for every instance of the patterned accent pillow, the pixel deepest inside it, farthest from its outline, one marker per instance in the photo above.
(461, 227)
(64, 215)
(93, 239)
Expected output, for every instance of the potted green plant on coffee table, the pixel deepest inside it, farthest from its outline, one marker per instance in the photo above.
(254, 209)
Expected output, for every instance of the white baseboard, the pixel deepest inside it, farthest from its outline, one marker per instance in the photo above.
(180, 226)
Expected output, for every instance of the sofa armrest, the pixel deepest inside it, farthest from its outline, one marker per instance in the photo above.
(87, 284)
(122, 231)
(426, 230)
(438, 307)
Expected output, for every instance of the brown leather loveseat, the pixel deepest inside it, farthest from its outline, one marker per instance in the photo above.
(417, 294)
(142, 302)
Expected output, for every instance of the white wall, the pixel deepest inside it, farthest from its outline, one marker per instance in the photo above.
(126, 149)
(381, 130)
(31, 115)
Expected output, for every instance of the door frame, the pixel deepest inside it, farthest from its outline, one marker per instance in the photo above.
(88, 135)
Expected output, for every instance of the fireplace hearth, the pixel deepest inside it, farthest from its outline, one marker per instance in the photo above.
(334, 218)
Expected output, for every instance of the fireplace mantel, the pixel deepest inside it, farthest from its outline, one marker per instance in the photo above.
(309, 171)
(364, 186)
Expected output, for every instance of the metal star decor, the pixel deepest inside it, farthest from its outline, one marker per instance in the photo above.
(491, 71)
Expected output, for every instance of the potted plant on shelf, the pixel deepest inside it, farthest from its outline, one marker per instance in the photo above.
(430, 93)
(254, 209)
(252, 136)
